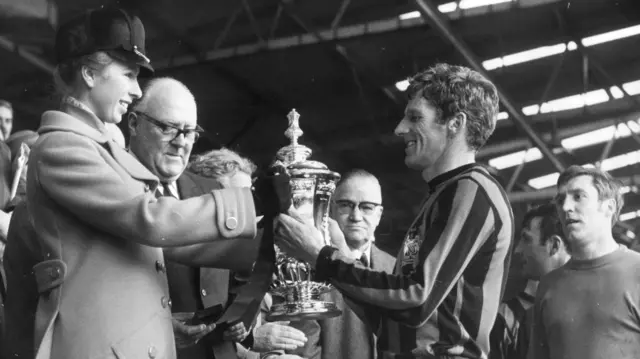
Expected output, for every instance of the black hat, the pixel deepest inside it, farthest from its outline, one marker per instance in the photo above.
(104, 29)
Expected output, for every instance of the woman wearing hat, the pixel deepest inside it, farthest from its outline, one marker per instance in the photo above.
(101, 282)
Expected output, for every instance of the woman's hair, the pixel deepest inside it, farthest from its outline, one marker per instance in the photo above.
(221, 163)
(66, 74)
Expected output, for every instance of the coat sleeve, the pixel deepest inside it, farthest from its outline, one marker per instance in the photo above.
(72, 173)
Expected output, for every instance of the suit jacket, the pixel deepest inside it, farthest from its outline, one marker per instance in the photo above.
(194, 288)
(347, 336)
(102, 289)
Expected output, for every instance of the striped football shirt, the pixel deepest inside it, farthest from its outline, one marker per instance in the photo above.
(443, 296)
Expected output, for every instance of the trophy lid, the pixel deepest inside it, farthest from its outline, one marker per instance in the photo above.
(296, 154)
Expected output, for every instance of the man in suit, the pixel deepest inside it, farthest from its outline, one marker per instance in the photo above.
(357, 208)
(168, 103)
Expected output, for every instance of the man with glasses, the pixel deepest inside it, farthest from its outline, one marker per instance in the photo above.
(357, 208)
(163, 128)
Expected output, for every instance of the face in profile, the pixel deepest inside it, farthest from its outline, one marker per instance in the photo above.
(582, 214)
(531, 253)
(425, 139)
(113, 89)
(6, 121)
(357, 209)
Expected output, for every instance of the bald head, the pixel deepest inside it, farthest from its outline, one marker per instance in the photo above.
(162, 93)
(165, 102)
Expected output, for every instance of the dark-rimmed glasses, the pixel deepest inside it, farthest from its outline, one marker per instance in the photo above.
(344, 206)
(169, 131)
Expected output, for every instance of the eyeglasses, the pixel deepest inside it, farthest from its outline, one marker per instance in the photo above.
(346, 207)
(171, 132)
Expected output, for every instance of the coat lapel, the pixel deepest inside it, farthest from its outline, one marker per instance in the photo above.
(130, 163)
(380, 260)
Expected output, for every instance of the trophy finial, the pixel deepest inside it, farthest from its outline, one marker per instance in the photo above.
(293, 132)
(294, 152)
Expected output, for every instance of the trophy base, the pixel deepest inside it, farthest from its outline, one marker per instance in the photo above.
(307, 310)
(301, 301)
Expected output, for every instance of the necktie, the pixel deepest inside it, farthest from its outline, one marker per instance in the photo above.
(364, 260)
(165, 190)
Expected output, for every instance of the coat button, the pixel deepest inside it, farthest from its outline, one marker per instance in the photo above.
(153, 352)
(160, 267)
(166, 302)
(231, 223)
(204, 292)
(54, 273)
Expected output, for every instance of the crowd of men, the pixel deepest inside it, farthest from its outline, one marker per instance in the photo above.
(441, 297)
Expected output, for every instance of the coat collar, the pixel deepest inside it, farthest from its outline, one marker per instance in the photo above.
(131, 164)
(84, 123)
(72, 118)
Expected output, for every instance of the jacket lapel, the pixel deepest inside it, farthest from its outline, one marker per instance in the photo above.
(187, 187)
(379, 259)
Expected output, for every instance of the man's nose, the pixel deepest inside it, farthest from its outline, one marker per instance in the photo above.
(401, 128)
(356, 214)
(180, 140)
(566, 206)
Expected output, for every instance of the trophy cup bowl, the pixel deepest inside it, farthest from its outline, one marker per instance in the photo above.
(296, 296)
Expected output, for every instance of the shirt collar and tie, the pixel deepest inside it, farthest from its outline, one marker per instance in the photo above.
(165, 189)
(365, 256)
(169, 190)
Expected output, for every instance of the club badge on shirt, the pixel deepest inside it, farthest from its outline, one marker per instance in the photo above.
(411, 250)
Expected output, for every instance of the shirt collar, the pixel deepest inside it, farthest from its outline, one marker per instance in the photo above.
(441, 178)
(172, 187)
(365, 251)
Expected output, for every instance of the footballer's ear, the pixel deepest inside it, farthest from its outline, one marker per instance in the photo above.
(554, 244)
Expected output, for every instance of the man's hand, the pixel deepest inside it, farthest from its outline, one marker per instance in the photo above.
(21, 158)
(277, 336)
(283, 356)
(235, 333)
(187, 334)
(336, 237)
(299, 240)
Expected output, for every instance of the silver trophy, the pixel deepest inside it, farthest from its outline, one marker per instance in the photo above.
(296, 296)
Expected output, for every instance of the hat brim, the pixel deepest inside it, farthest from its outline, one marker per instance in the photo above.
(146, 70)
